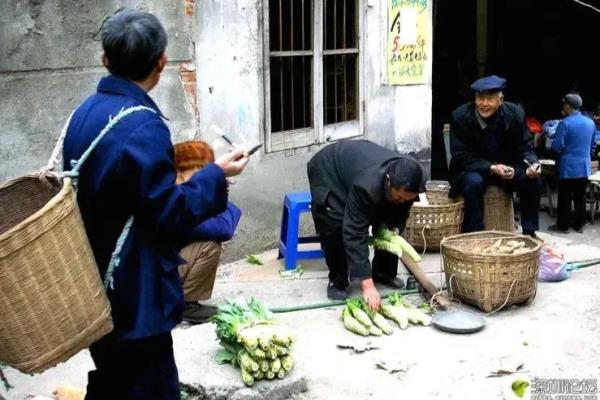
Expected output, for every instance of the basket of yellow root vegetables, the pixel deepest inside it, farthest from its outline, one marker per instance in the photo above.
(491, 269)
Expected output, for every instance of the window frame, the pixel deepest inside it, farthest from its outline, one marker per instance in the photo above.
(318, 133)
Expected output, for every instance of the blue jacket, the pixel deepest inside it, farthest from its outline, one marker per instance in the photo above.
(217, 229)
(131, 172)
(574, 140)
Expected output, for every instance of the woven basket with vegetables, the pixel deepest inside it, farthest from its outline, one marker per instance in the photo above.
(491, 269)
(252, 341)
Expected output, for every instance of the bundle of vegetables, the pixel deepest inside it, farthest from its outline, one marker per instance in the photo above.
(384, 239)
(253, 341)
(360, 319)
(402, 312)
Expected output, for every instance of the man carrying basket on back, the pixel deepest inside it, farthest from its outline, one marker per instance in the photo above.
(131, 173)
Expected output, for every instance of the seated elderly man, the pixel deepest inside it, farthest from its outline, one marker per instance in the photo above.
(490, 144)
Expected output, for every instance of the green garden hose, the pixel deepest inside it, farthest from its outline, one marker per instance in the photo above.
(325, 305)
(580, 265)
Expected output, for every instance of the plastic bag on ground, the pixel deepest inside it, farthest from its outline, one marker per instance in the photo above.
(553, 267)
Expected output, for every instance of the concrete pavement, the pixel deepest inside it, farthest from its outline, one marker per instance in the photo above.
(557, 336)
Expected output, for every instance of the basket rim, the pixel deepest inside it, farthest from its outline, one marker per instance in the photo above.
(446, 243)
(455, 204)
(67, 186)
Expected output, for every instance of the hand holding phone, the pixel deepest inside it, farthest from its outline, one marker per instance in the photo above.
(254, 149)
(232, 163)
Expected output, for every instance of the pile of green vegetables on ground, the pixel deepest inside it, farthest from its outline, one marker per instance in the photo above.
(252, 341)
(386, 240)
(360, 319)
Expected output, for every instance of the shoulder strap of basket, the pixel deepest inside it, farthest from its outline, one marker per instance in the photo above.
(74, 174)
(76, 164)
(53, 161)
(115, 258)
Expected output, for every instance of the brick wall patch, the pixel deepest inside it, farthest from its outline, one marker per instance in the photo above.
(187, 76)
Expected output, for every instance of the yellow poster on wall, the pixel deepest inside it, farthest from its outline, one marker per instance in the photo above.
(409, 41)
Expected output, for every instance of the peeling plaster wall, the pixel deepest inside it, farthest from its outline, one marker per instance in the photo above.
(50, 62)
(403, 113)
(229, 61)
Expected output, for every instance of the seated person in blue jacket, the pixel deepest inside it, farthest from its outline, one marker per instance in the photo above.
(490, 145)
(573, 141)
(131, 173)
(203, 252)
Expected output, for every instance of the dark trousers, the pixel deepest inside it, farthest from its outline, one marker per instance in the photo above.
(133, 369)
(474, 185)
(384, 264)
(571, 190)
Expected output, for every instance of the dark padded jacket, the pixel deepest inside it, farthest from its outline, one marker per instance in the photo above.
(348, 193)
(506, 140)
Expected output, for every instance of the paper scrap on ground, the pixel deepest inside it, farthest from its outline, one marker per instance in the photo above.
(357, 347)
(504, 372)
(392, 366)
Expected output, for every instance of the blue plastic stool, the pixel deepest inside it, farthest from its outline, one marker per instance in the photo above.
(293, 205)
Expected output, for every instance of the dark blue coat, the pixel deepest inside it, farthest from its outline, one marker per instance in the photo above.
(574, 140)
(219, 228)
(131, 172)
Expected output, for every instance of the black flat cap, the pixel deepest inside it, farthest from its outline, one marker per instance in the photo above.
(489, 84)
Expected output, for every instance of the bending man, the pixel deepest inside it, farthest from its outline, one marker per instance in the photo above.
(356, 184)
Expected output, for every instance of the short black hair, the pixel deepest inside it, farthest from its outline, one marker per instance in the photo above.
(133, 41)
(407, 173)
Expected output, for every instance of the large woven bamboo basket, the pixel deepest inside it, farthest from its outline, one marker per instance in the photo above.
(490, 281)
(427, 225)
(52, 301)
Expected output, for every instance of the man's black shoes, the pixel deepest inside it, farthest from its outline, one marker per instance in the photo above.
(557, 229)
(395, 283)
(578, 229)
(334, 293)
(531, 234)
(196, 313)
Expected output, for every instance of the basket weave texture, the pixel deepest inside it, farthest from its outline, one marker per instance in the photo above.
(427, 225)
(437, 193)
(52, 301)
(498, 210)
(485, 281)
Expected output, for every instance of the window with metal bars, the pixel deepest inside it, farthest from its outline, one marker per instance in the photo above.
(313, 74)
(340, 60)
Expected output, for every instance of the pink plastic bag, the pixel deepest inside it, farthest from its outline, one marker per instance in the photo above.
(553, 267)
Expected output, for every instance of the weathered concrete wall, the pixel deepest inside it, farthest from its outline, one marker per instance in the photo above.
(50, 62)
(229, 62)
(402, 112)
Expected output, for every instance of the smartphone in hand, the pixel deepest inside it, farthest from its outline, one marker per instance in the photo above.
(254, 149)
